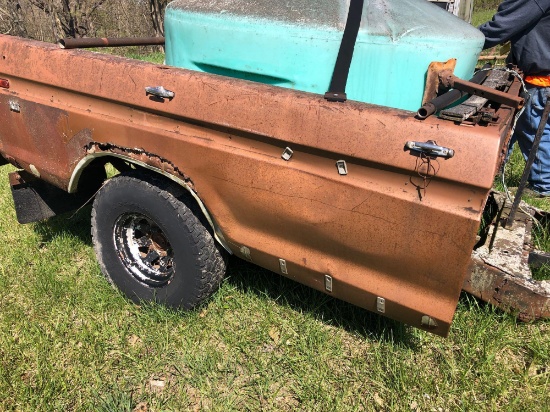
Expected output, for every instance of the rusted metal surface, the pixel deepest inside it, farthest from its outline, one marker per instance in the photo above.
(473, 109)
(538, 258)
(371, 231)
(435, 104)
(450, 80)
(84, 43)
(432, 78)
(140, 155)
(500, 273)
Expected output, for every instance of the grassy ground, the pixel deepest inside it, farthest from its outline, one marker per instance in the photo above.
(68, 341)
(481, 16)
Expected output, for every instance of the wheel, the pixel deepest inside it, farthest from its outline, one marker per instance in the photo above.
(152, 241)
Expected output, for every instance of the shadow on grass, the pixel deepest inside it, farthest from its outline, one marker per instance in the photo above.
(71, 224)
(248, 278)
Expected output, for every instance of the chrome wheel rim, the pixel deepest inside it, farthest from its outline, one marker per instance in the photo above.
(144, 249)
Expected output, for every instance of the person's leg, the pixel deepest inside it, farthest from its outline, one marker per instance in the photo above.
(528, 123)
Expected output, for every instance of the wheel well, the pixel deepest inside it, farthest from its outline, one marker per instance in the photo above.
(92, 171)
(92, 177)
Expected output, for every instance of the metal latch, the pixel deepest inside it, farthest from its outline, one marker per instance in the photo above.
(160, 92)
(15, 107)
(430, 149)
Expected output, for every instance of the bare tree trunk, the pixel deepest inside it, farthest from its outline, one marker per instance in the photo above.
(48, 20)
(157, 15)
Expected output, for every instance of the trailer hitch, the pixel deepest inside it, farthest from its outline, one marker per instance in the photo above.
(500, 269)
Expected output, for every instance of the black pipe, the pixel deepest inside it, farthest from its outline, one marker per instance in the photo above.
(70, 43)
(450, 97)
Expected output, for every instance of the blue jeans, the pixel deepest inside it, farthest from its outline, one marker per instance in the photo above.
(526, 128)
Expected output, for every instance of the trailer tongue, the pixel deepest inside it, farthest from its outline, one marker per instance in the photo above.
(500, 272)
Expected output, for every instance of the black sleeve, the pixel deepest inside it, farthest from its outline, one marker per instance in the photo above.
(512, 17)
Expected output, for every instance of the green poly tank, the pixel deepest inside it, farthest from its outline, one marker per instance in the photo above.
(295, 43)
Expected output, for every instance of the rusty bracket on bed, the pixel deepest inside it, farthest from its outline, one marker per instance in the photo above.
(448, 79)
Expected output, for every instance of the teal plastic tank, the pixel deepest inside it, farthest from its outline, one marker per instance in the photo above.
(295, 43)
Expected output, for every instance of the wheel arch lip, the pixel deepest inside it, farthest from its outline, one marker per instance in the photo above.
(85, 161)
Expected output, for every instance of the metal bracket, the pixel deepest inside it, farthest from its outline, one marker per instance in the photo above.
(287, 154)
(246, 253)
(328, 283)
(381, 305)
(342, 167)
(448, 79)
(538, 258)
(282, 265)
(430, 149)
(428, 322)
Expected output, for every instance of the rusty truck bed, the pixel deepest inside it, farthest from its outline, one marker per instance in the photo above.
(323, 193)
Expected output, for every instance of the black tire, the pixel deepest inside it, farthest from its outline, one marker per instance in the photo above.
(152, 241)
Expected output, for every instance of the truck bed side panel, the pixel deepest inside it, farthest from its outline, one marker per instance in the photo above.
(372, 231)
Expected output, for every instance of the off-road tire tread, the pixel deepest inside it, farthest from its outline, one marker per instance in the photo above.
(210, 258)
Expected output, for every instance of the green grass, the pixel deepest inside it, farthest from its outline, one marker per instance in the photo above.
(155, 57)
(145, 53)
(482, 16)
(68, 341)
